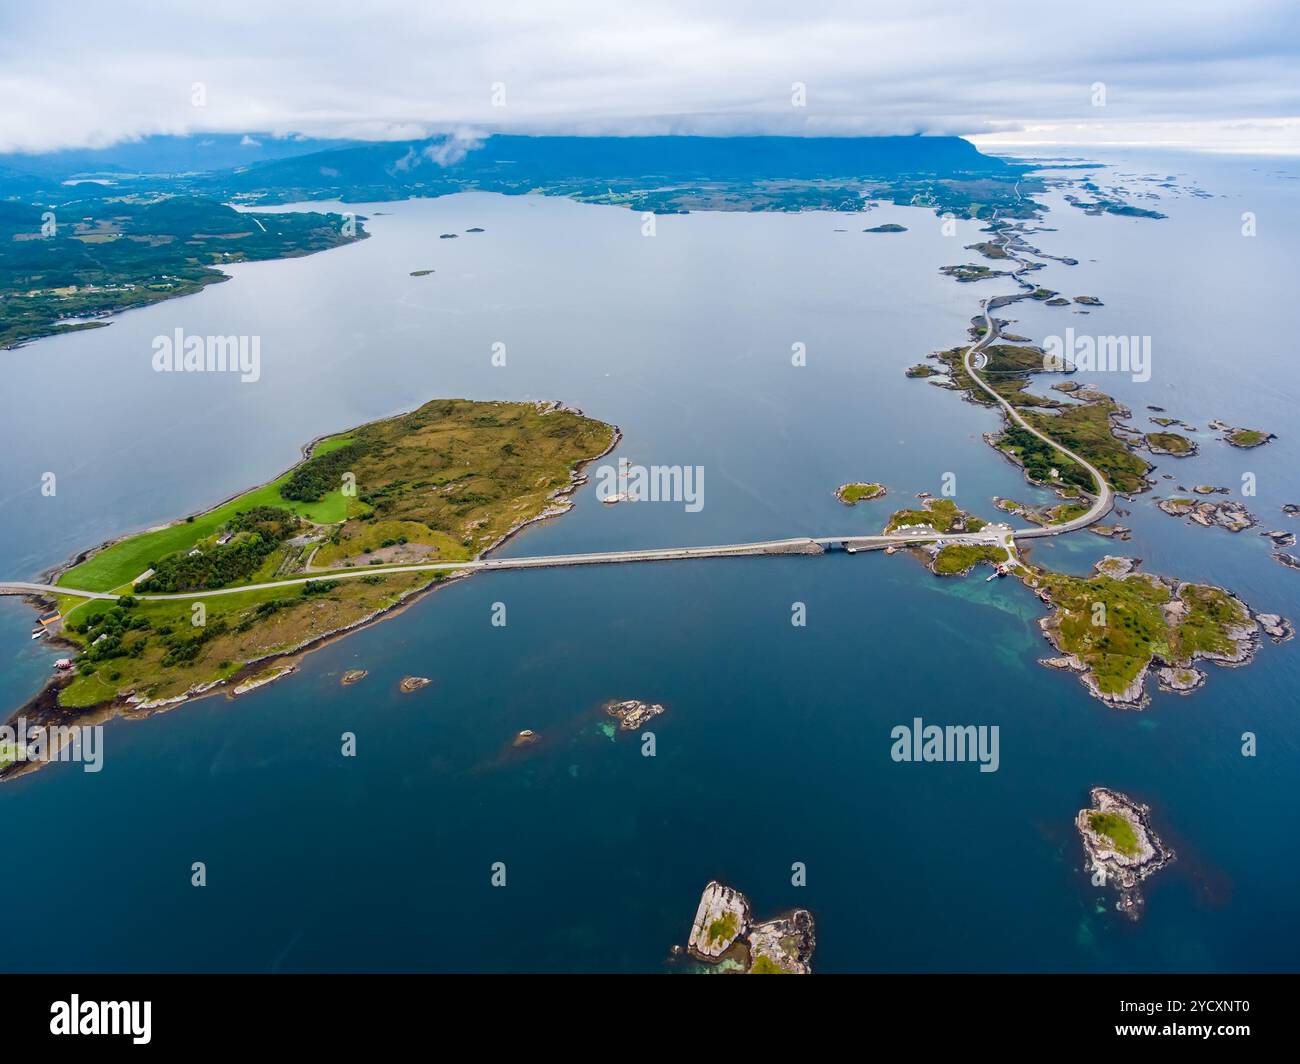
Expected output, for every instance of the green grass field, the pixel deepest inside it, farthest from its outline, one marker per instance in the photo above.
(959, 558)
(121, 563)
(449, 479)
(1116, 828)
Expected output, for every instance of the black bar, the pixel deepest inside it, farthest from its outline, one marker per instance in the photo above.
(339, 1012)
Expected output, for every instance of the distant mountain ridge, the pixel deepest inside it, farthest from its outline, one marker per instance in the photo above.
(163, 155)
(662, 174)
(715, 158)
(281, 169)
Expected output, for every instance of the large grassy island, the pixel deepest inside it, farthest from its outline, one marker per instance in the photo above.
(69, 267)
(443, 483)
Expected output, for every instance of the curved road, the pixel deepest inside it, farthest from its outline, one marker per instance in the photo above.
(993, 535)
(1105, 498)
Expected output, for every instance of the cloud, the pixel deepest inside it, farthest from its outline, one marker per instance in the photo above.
(454, 147)
(69, 76)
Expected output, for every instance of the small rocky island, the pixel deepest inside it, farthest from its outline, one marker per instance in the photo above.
(967, 272)
(632, 714)
(849, 494)
(1122, 848)
(1143, 623)
(1238, 437)
(1171, 443)
(413, 683)
(888, 227)
(1226, 514)
(724, 934)
(353, 676)
(939, 515)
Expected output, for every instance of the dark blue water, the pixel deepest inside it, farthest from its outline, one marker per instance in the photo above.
(775, 746)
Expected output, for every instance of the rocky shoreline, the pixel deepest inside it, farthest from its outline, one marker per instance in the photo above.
(43, 708)
(858, 491)
(724, 934)
(633, 714)
(1226, 514)
(1239, 437)
(1122, 848)
(1178, 675)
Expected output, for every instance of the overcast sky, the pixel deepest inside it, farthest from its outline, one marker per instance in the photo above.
(1190, 73)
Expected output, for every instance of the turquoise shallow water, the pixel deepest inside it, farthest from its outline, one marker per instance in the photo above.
(775, 746)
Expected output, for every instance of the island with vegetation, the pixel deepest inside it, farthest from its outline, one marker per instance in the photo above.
(967, 272)
(72, 266)
(940, 515)
(857, 492)
(1170, 443)
(724, 934)
(989, 249)
(888, 227)
(1122, 848)
(1116, 626)
(202, 604)
(1239, 437)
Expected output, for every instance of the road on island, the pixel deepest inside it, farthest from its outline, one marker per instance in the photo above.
(1105, 497)
(998, 535)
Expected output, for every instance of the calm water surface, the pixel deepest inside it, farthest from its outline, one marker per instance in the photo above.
(775, 747)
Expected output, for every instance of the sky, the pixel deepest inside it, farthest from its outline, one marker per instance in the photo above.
(1191, 74)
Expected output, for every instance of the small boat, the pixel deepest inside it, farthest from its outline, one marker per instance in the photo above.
(37, 633)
